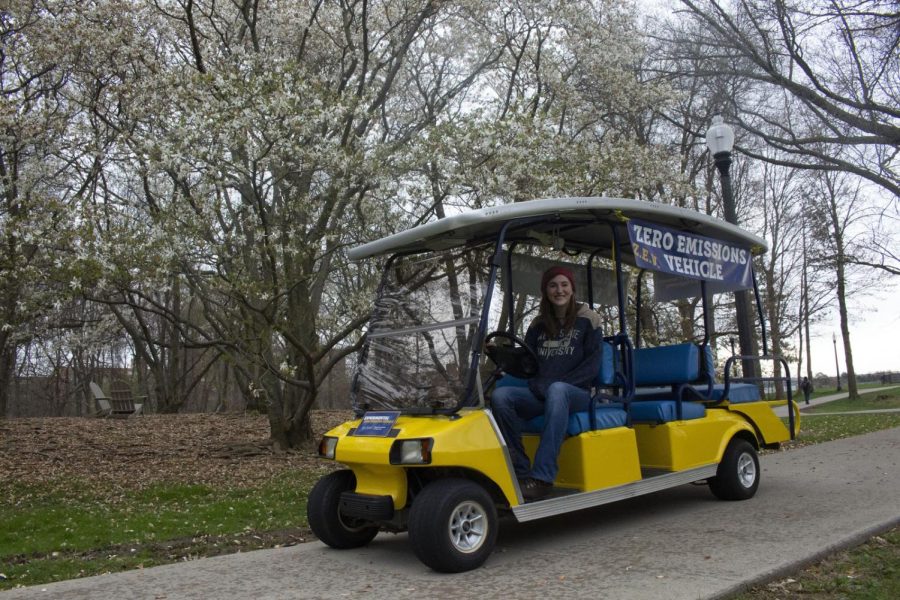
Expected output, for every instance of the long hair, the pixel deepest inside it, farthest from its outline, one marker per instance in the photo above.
(547, 316)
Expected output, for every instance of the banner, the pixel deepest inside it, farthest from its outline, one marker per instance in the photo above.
(685, 254)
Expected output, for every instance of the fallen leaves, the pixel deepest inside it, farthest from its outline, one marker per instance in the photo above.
(222, 451)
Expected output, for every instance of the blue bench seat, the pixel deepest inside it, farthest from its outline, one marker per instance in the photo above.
(737, 393)
(667, 365)
(606, 417)
(663, 411)
(662, 368)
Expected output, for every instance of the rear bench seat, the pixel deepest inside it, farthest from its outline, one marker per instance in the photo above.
(674, 367)
(669, 370)
(737, 392)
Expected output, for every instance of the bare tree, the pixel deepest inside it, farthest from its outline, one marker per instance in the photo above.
(833, 64)
(780, 216)
(838, 216)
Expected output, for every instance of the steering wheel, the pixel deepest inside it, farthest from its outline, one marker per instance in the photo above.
(518, 359)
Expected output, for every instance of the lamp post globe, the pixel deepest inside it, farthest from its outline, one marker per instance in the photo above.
(719, 136)
(720, 141)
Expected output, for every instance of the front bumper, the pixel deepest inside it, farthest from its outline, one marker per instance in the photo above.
(367, 506)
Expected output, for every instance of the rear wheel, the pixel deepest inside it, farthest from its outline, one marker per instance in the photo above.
(324, 514)
(453, 525)
(737, 477)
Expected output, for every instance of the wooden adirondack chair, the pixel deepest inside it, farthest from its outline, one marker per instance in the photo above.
(116, 406)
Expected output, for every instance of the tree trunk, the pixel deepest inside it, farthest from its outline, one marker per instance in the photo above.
(7, 375)
(845, 330)
(289, 421)
(839, 267)
(686, 310)
(800, 337)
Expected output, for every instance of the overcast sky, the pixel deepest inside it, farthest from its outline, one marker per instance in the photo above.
(874, 335)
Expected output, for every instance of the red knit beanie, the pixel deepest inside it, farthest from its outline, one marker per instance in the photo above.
(553, 272)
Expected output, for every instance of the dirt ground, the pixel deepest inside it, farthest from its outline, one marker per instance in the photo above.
(213, 449)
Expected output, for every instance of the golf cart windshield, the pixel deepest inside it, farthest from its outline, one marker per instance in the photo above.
(430, 319)
(420, 336)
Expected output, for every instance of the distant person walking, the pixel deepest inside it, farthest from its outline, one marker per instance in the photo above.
(807, 388)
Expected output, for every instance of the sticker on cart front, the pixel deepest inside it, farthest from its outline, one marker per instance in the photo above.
(377, 423)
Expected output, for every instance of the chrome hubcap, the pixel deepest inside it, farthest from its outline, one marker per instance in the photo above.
(746, 470)
(468, 527)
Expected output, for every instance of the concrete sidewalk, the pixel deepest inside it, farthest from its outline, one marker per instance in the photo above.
(679, 543)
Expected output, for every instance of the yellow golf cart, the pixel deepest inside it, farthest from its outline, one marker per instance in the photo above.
(425, 455)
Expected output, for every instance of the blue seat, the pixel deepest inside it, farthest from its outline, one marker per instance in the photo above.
(663, 411)
(665, 371)
(666, 365)
(606, 417)
(609, 366)
(737, 392)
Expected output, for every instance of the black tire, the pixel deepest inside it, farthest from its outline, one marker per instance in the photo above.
(737, 477)
(453, 525)
(324, 516)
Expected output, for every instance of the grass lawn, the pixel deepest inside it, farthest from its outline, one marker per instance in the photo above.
(819, 392)
(868, 572)
(824, 427)
(89, 496)
(866, 401)
(818, 425)
(54, 535)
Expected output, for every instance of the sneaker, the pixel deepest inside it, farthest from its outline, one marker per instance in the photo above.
(535, 489)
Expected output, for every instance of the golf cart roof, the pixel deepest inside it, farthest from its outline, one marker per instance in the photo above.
(581, 222)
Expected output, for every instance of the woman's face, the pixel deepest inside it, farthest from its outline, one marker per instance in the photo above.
(559, 290)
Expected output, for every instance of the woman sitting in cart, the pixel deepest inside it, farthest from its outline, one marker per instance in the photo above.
(566, 338)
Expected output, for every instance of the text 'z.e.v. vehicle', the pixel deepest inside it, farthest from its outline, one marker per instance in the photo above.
(425, 454)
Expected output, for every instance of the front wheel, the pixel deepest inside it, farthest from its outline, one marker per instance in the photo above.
(738, 474)
(324, 514)
(453, 525)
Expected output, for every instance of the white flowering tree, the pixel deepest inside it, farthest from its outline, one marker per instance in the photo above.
(38, 187)
(231, 152)
(256, 147)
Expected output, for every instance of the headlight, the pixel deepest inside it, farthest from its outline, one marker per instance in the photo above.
(327, 447)
(411, 452)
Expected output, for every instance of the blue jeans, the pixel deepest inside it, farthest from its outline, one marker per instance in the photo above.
(512, 406)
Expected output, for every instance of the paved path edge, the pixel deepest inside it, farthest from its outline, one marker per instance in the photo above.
(792, 566)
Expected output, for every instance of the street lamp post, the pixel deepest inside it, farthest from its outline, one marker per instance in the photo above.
(720, 141)
(837, 367)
